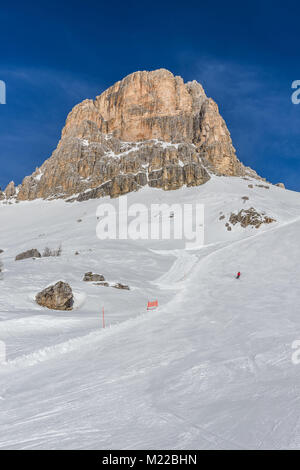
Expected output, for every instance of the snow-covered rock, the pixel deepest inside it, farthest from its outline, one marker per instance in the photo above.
(56, 297)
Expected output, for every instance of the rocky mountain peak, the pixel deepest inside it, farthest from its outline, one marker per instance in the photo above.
(149, 128)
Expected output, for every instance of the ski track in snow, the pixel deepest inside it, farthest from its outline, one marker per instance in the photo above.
(179, 271)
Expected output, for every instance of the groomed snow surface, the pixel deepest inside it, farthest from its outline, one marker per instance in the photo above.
(210, 369)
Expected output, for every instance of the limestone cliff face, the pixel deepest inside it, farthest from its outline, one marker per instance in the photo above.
(149, 128)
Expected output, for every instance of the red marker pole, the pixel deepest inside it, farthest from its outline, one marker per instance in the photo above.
(103, 321)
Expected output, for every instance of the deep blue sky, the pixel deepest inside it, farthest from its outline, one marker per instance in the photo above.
(245, 54)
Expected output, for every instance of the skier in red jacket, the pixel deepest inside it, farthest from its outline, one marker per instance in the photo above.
(238, 275)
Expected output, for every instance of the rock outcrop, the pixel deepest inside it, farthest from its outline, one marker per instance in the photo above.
(90, 277)
(121, 286)
(246, 217)
(56, 297)
(10, 190)
(34, 253)
(150, 128)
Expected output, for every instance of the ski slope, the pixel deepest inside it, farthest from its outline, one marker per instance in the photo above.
(210, 369)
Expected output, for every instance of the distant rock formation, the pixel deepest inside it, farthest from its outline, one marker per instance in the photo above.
(150, 128)
(10, 190)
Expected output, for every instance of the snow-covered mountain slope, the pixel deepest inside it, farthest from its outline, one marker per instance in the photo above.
(211, 368)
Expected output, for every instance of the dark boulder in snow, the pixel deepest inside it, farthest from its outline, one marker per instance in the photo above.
(34, 253)
(121, 286)
(90, 277)
(56, 297)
